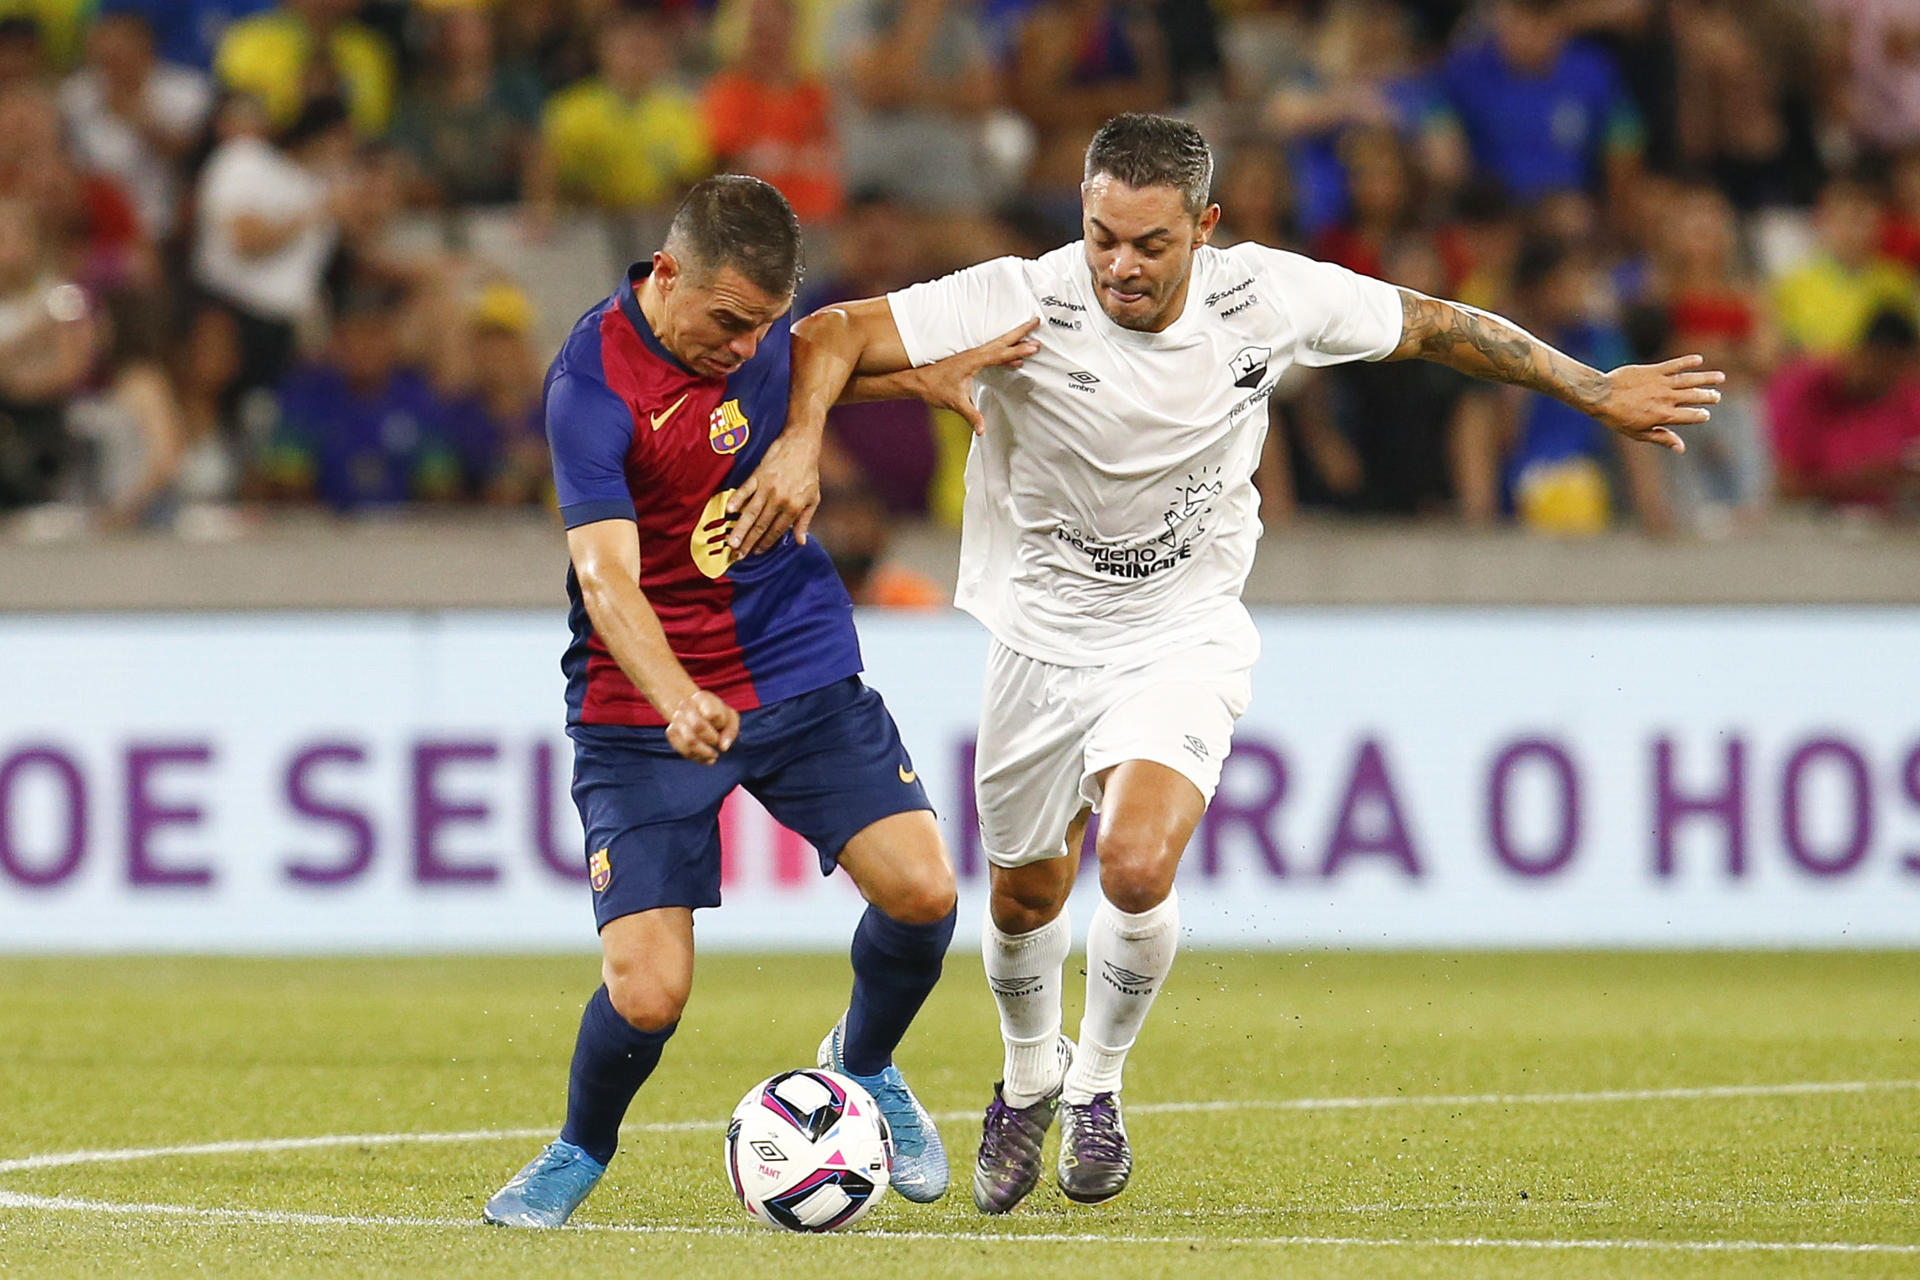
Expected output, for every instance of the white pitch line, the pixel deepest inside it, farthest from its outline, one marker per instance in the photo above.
(65, 1159)
(278, 1217)
(1511, 1099)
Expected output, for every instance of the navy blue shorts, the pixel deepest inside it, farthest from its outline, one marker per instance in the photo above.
(826, 764)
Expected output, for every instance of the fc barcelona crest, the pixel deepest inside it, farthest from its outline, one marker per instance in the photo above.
(599, 870)
(727, 428)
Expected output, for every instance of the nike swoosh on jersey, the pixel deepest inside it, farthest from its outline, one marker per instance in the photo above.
(660, 419)
(906, 774)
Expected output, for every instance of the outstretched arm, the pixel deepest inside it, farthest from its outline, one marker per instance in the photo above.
(1640, 401)
(844, 353)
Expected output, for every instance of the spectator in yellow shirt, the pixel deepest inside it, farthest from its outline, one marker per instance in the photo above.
(62, 25)
(306, 49)
(1823, 305)
(628, 138)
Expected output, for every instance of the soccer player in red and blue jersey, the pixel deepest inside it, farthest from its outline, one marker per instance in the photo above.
(693, 671)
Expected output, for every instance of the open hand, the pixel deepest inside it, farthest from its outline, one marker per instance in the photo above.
(782, 493)
(1646, 401)
(948, 384)
(702, 727)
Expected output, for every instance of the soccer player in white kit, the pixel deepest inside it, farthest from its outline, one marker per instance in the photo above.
(1109, 526)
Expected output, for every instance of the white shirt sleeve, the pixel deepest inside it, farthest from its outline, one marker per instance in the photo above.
(230, 183)
(1342, 315)
(945, 316)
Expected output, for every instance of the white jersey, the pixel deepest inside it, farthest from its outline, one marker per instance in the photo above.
(1110, 503)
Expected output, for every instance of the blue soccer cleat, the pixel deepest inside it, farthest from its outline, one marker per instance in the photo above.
(547, 1191)
(919, 1157)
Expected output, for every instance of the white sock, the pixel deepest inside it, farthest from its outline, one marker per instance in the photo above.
(1024, 970)
(1128, 959)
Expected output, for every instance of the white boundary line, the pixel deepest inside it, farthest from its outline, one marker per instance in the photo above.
(277, 1217)
(274, 1217)
(66, 1159)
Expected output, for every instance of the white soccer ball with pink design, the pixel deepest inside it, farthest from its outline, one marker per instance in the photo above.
(808, 1150)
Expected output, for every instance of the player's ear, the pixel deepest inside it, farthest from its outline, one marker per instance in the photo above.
(666, 269)
(1203, 226)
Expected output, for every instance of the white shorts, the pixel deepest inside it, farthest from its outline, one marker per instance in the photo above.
(1048, 732)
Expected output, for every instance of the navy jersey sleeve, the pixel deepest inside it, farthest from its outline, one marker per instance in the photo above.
(589, 430)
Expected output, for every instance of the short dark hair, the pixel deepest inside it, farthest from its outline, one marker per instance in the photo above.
(318, 116)
(1154, 151)
(736, 221)
(1891, 329)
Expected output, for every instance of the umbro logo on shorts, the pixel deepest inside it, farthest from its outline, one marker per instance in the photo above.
(1126, 981)
(1015, 986)
(1197, 747)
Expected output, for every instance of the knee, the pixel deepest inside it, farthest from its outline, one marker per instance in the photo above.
(641, 997)
(1022, 907)
(926, 897)
(1136, 875)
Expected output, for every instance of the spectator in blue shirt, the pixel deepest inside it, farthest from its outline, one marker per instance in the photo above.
(1542, 113)
(188, 31)
(358, 430)
(1563, 473)
(1363, 74)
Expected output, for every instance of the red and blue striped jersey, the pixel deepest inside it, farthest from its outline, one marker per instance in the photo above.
(636, 435)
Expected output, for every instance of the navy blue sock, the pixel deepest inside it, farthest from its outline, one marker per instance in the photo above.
(894, 968)
(611, 1060)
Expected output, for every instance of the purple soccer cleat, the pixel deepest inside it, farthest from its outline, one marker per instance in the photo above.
(1094, 1157)
(1008, 1166)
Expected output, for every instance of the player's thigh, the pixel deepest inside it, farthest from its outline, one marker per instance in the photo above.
(1149, 815)
(646, 960)
(1176, 710)
(900, 864)
(1029, 760)
(830, 765)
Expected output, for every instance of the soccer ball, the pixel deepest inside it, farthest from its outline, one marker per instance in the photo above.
(808, 1151)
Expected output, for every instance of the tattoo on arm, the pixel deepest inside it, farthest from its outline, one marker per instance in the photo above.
(1488, 347)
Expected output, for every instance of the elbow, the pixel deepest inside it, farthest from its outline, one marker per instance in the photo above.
(597, 589)
(827, 327)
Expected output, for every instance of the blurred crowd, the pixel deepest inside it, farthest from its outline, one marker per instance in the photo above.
(317, 251)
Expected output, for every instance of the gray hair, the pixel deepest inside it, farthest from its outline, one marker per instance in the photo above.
(1154, 151)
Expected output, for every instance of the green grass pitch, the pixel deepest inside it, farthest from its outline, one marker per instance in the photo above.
(1368, 1115)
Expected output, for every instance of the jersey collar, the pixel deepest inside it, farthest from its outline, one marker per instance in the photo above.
(630, 307)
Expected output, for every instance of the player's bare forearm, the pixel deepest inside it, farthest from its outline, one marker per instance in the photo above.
(854, 342)
(1640, 401)
(829, 348)
(948, 383)
(609, 574)
(784, 490)
(1487, 346)
(606, 560)
(864, 388)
